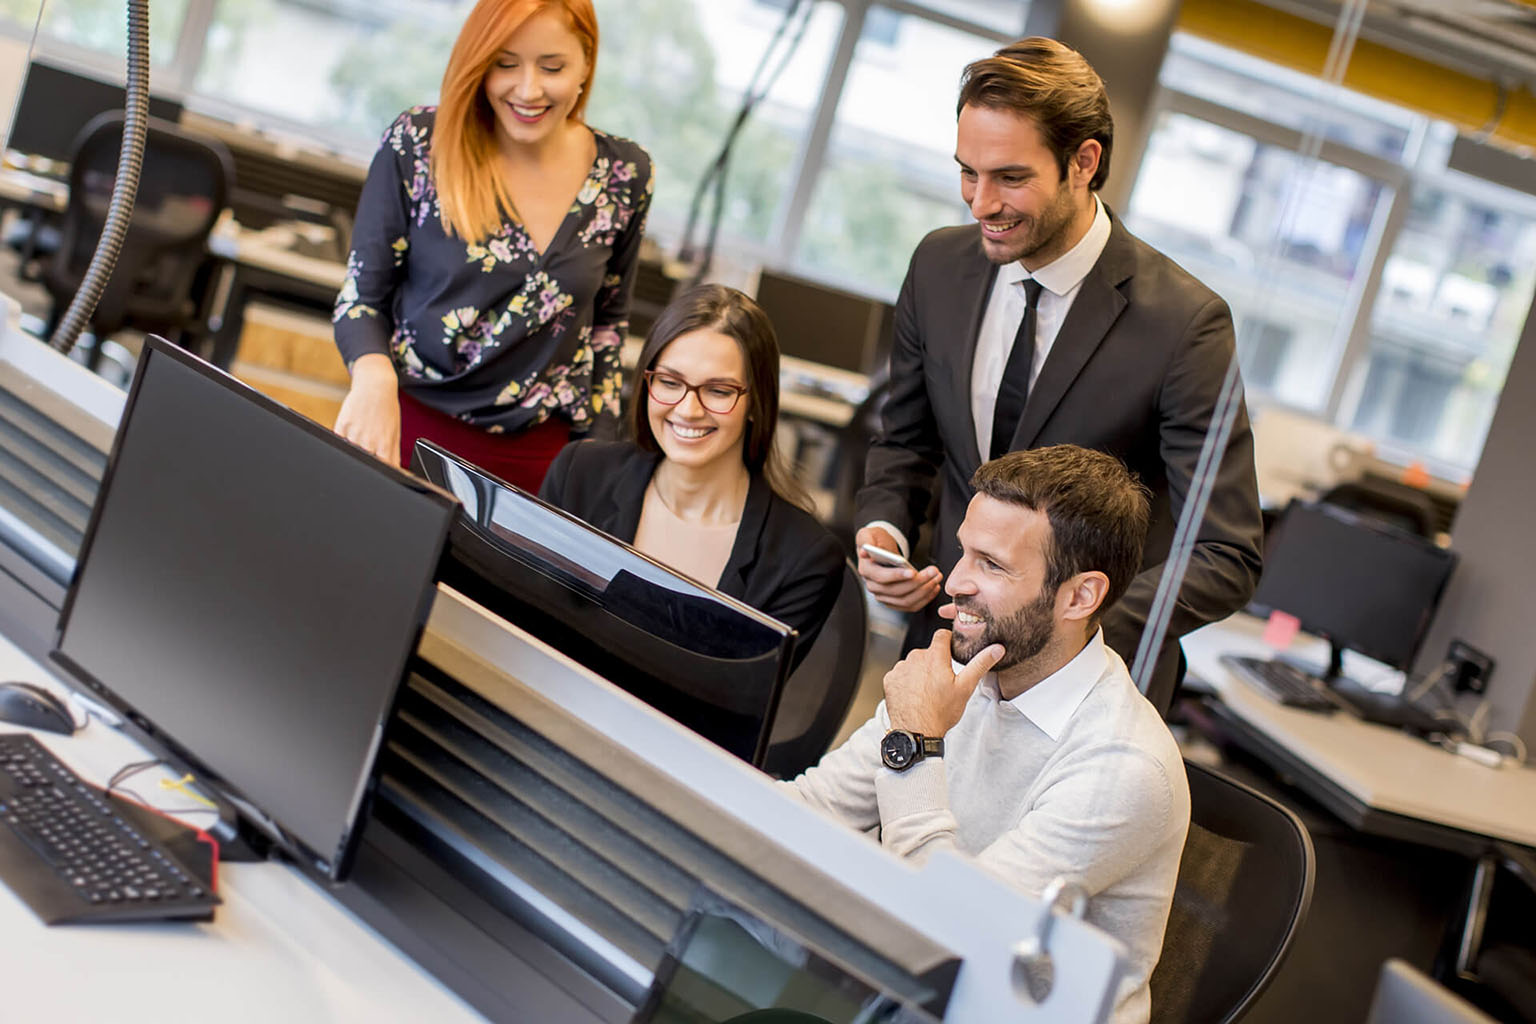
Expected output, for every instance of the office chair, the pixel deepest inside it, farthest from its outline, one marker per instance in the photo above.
(183, 187)
(1405, 995)
(1388, 501)
(1245, 883)
(1495, 952)
(817, 696)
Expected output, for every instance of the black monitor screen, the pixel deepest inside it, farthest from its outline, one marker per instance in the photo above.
(1364, 585)
(726, 964)
(826, 325)
(249, 592)
(56, 104)
(707, 660)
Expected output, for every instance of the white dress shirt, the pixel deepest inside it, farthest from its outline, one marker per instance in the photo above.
(1076, 778)
(1060, 281)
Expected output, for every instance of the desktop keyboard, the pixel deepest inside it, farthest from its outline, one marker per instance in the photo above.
(1282, 681)
(71, 857)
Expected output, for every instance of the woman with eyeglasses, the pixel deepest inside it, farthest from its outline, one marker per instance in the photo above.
(497, 240)
(701, 487)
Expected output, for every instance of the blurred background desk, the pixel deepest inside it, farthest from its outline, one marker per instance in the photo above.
(1403, 830)
(1379, 780)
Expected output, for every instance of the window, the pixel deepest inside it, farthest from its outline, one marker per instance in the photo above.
(890, 175)
(1454, 295)
(1280, 237)
(340, 68)
(98, 26)
(1370, 284)
(671, 76)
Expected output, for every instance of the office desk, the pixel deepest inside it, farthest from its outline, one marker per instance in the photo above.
(1376, 779)
(280, 948)
(23, 188)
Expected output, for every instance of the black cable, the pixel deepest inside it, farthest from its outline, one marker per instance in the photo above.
(713, 182)
(128, 771)
(130, 161)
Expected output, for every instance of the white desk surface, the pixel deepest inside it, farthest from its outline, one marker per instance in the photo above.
(1385, 769)
(279, 948)
(21, 186)
(251, 247)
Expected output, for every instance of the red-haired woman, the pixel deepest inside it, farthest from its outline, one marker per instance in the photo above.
(494, 253)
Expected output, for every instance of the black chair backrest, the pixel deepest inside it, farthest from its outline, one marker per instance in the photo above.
(1388, 501)
(183, 187)
(1245, 883)
(818, 694)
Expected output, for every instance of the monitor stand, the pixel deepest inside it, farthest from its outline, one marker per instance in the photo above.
(240, 842)
(1369, 705)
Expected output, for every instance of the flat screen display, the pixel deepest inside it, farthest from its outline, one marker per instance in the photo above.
(57, 103)
(249, 592)
(712, 663)
(726, 965)
(827, 325)
(1364, 585)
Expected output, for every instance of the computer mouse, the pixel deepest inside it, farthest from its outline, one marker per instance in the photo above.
(32, 706)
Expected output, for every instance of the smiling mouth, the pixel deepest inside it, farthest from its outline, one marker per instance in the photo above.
(997, 229)
(528, 115)
(964, 618)
(690, 433)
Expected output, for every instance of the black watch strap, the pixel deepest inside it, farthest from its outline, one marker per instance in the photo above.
(900, 749)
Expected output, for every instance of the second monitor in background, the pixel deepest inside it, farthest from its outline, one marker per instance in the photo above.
(57, 103)
(826, 325)
(1361, 585)
(1364, 586)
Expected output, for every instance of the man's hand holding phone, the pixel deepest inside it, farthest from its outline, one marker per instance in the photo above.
(890, 577)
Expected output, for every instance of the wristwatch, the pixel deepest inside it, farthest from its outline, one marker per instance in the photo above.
(901, 749)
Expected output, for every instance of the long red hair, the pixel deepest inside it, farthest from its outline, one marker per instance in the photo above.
(470, 190)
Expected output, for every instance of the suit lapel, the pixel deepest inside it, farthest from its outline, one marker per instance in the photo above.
(973, 290)
(627, 499)
(754, 516)
(1093, 313)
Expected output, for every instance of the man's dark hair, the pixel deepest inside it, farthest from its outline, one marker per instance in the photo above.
(1097, 509)
(1051, 84)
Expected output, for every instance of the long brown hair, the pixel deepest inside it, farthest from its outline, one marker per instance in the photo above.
(714, 307)
(471, 194)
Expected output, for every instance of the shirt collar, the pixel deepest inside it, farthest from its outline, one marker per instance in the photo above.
(1049, 704)
(1067, 271)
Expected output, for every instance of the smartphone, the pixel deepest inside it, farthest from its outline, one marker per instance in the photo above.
(885, 557)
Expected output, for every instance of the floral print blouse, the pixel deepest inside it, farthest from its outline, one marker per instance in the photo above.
(495, 334)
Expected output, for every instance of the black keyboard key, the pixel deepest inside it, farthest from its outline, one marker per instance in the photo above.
(71, 858)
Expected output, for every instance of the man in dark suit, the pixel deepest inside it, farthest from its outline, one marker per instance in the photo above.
(1048, 323)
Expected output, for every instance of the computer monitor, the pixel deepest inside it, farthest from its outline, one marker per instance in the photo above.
(728, 964)
(249, 592)
(707, 660)
(826, 325)
(1363, 585)
(57, 103)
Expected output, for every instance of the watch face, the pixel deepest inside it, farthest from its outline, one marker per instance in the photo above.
(898, 749)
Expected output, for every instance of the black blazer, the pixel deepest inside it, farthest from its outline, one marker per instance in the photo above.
(783, 563)
(1135, 371)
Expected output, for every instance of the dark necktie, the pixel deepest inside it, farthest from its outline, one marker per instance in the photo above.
(1014, 389)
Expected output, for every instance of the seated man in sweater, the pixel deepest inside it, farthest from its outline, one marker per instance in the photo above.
(1031, 751)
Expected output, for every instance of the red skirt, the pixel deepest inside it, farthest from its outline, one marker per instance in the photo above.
(520, 459)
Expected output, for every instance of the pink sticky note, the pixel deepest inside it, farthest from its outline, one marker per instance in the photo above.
(1281, 629)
